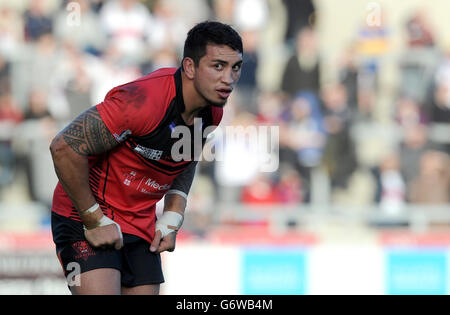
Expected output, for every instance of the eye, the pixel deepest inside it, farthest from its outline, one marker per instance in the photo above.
(237, 68)
(218, 66)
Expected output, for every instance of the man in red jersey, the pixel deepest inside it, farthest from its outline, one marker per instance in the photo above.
(114, 163)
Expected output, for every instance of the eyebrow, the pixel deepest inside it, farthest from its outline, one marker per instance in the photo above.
(226, 62)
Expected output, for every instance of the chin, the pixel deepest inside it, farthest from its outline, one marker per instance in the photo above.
(215, 104)
(219, 103)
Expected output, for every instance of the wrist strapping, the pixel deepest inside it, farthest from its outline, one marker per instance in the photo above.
(102, 222)
(91, 209)
(169, 222)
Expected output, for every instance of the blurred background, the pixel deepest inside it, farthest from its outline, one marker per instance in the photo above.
(360, 92)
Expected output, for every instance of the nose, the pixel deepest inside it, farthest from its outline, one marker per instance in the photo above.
(227, 77)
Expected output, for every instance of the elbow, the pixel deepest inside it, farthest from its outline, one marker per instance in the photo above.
(57, 148)
(61, 151)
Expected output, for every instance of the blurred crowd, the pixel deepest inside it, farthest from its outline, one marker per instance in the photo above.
(57, 58)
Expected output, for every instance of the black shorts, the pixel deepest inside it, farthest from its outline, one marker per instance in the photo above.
(137, 265)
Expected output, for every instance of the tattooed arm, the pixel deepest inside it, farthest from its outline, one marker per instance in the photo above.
(86, 135)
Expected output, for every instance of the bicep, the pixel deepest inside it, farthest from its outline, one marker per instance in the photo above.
(88, 135)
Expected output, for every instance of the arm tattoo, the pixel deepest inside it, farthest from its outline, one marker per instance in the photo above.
(88, 135)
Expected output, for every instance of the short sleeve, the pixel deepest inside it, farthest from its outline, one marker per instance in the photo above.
(132, 109)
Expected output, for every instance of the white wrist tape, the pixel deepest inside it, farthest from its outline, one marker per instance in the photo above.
(103, 221)
(107, 221)
(177, 192)
(169, 222)
(91, 209)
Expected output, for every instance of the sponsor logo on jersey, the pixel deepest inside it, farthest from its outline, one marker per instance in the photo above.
(129, 177)
(153, 184)
(148, 153)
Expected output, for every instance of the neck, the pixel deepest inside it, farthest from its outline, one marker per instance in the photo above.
(193, 101)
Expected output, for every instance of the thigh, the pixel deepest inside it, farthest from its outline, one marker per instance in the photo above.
(97, 281)
(140, 267)
(150, 289)
(82, 264)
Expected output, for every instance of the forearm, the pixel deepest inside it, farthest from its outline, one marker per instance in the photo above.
(175, 202)
(176, 197)
(72, 170)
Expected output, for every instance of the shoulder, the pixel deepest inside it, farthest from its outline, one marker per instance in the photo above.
(156, 88)
(160, 81)
(141, 104)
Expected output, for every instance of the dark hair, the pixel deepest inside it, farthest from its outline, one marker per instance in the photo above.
(210, 32)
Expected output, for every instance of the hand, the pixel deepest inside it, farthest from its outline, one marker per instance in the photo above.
(108, 235)
(166, 243)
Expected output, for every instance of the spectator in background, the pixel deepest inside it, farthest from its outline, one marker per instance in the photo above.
(412, 147)
(38, 22)
(96, 5)
(171, 21)
(300, 14)
(348, 74)
(72, 84)
(432, 186)
(371, 44)
(42, 61)
(339, 157)
(391, 184)
(37, 106)
(302, 136)
(164, 58)
(10, 116)
(82, 35)
(260, 191)
(289, 188)
(250, 17)
(306, 131)
(5, 73)
(11, 32)
(127, 24)
(412, 125)
(360, 96)
(419, 31)
(237, 164)
(167, 29)
(270, 108)
(198, 10)
(30, 139)
(201, 201)
(248, 86)
(302, 71)
(408, 113)
(439, 107)
(223, 10)
(110, 69)
(418, 62)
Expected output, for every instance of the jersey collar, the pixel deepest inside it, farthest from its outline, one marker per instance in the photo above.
(179, 91)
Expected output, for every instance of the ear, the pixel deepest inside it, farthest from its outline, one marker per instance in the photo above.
(189, 67)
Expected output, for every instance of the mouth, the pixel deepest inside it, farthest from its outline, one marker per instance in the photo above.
(224, 93)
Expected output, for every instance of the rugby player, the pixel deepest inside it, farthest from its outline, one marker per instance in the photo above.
(114, 163)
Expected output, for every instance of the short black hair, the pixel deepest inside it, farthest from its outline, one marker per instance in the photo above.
(210, 32)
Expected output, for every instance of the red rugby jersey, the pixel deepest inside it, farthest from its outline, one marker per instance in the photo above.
(129, 180)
